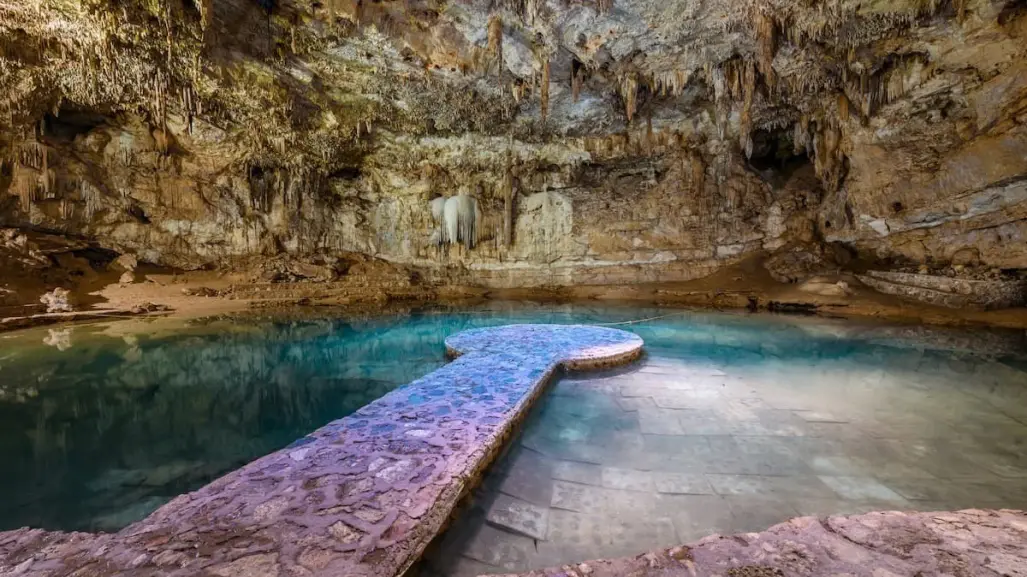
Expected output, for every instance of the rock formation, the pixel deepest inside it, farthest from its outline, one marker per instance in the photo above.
(576, 141)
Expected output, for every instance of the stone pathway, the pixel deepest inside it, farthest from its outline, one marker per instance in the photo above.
(969, 543)
(361, 496)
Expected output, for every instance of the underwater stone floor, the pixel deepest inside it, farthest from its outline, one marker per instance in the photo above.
(669, 451)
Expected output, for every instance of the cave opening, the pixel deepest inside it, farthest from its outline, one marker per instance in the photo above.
(774, 156)
(69, 123)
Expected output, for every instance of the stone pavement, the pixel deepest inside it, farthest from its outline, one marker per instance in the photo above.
(361, 496)
(971, 543)
(671, 450)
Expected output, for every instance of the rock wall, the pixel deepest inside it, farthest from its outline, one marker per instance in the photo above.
(600, 143)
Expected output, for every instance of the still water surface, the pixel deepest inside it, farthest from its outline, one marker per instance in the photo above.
(100, 425)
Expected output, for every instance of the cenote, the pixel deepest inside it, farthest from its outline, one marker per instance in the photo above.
(100, 425)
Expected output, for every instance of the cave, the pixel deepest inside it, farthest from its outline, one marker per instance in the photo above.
(774, 155)
(548, 289)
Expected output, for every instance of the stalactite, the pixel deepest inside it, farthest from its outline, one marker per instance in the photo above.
(843, 107)
(629, 92)
(604, 6)
(577, 78)
(748, 86)
(800, 137)
(495, 46)
(544, 93)
(766, 45)
(519, 88)
(206, 9)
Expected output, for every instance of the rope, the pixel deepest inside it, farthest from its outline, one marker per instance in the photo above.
(637, 321)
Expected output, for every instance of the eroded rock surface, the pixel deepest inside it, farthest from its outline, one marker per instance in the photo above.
(971, 542)
(592, 142)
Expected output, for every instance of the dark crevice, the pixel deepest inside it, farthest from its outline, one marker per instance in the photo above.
(69, 123)
(774, 157)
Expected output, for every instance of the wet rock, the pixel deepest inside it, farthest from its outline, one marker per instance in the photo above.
(966, 257)
(826, 288)
(125, 262)
(148, 307)
(57, 301)
(201, 292)
(948, 291)
(797, 264)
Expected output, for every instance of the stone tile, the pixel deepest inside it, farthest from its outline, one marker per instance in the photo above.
(926, 490)
(861, 488)
(703, 422)
(627, 479)
(526, 475)
(459, 566)
(635, 535)
(519, 516)
(697, 516)
(688, 399)
(820, 417)
(828, 507)
(672, 445)
(837, 465)
(832, 430)
(575, 528)
(747, 456)
(575, 472)
(682, 484)
(589, 499)
(618, 442)
(755, 513)
(635, 403)
(639, 390)
(659, 422)
(807, 486)
(499, 548)
(580, 452)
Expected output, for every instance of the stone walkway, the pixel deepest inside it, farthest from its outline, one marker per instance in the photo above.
(361, 496)
(671, 450)
(968, 543)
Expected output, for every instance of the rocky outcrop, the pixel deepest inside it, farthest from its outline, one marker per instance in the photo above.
(950, 292)
(588, 143)
(971, 542)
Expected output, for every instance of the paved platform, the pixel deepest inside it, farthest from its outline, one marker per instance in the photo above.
(362, 495)
(971, 543)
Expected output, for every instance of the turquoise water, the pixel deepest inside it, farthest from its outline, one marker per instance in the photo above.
(101, 424)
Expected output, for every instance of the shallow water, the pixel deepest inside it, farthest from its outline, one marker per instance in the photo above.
(99, 425)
